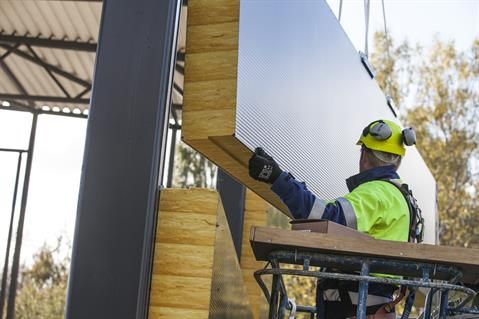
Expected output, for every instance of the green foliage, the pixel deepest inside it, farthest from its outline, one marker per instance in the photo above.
(443, 107)
(42, 286)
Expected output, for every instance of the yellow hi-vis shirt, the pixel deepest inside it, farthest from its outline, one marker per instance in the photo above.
(378, 209)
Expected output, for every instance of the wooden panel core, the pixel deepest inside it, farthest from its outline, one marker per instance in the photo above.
(184, 251)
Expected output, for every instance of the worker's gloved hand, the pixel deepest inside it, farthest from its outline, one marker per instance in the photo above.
(263, 167)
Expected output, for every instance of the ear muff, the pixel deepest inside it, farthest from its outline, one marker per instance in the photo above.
(381, 131)
(408, 136)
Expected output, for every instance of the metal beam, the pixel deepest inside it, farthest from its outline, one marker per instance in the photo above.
(14, 79)
(71, 114)
(12, 293)
(16, 106)
(85, 91)
(44, 98)
(3, 288)
(180, 68)
(49, 43)
(19, 108)
(50, 73)
(9, 51)
(180, 56)
(13, 150)
(178, 89)
(124, 154)
(44, 64)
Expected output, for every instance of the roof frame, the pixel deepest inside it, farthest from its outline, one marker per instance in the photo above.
(44, 98)
(52, 70)
(42, 63)
(50, 73)
(14, 106)
(49, 42)
(26, 102)
(14, 79)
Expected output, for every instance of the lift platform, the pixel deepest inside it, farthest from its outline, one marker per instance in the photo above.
(441, 269)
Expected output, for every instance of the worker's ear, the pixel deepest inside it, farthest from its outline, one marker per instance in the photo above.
(363, 161)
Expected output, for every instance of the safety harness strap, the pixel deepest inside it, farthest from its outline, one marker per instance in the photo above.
(416, 221)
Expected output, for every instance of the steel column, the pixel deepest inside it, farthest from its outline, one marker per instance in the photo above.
(428, 304)
(363, 292)
(274, 298)
(3, 288)
(444, 304)
(12, 292)
(123, 162)
(233, 198)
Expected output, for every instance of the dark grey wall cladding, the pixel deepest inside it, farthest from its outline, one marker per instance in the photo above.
(304, 96)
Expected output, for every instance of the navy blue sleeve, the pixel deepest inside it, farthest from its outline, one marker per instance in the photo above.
(294, 194)
(301, 201)
(334, 212)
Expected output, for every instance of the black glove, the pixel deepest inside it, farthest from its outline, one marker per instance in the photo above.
(263, 167)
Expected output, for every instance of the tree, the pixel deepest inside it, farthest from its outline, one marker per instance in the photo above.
(393, 66)
(437, 92)
(193, 169)
(42, 286)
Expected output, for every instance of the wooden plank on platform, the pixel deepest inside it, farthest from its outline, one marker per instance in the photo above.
(264, 240)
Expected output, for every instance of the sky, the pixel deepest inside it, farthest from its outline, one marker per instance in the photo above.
(58, 152)
(54, 181)
(415, 20)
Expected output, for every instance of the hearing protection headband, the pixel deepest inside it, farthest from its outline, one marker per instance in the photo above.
(381, 132)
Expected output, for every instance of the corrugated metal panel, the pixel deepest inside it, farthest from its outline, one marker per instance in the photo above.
(307, 104)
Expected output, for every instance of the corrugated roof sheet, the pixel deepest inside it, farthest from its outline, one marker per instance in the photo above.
(74, 21)
(56, 20)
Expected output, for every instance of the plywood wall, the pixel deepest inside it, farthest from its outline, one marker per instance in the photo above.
(184, 250)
